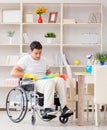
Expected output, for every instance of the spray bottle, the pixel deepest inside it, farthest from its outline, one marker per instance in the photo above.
(89, 64)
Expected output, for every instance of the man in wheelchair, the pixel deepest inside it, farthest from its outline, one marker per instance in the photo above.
(35, 66)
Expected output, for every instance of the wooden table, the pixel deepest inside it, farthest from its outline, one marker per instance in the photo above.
(81, 82)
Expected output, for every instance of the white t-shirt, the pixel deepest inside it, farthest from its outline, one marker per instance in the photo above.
(36, 67)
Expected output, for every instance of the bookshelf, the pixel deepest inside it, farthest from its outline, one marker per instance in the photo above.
(74, 27)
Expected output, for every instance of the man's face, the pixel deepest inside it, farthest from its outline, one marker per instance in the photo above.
(36, 54)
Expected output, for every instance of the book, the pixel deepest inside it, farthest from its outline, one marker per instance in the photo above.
(11, 82)
(71, 21)
(57, 59)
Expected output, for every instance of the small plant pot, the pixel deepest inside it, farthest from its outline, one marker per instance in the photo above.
(49, 40)
(102, 62)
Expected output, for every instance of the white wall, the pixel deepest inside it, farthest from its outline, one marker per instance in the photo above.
(105, 25)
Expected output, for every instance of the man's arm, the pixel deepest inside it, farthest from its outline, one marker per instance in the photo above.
(17, 72)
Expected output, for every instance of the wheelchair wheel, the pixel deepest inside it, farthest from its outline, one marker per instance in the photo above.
(63, 119)
(16, 104)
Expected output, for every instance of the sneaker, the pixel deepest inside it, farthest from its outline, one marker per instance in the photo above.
(66, 112)
(49, 111)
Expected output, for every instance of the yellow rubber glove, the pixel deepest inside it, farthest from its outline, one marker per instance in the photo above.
(27, 75)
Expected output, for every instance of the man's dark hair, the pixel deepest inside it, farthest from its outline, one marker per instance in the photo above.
(35, 45)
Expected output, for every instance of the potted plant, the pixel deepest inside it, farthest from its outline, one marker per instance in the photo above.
(101, 57)
(50, 36)
(10, 35)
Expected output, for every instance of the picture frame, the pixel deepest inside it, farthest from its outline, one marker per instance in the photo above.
(7, 16)
(52, 17)
(29, 18)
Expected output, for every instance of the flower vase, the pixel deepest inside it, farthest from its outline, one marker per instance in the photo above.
(40, 20)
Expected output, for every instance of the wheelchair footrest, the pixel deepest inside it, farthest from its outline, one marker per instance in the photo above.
(67, 115)
(50, 117)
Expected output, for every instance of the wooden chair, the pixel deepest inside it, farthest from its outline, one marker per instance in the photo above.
(89, 95)
(100, 89)
(72, 87)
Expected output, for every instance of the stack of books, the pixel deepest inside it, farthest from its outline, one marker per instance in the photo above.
(12, 59)
(10, 82)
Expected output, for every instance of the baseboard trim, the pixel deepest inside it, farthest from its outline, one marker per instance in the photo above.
(2, 109)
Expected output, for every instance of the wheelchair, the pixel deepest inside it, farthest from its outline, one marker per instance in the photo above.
(23, 98)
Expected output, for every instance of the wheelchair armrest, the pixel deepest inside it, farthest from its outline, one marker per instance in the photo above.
(27, 84)
(25, 79)
(28, 87)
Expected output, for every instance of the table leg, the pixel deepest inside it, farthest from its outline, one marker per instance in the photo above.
(80, 100)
